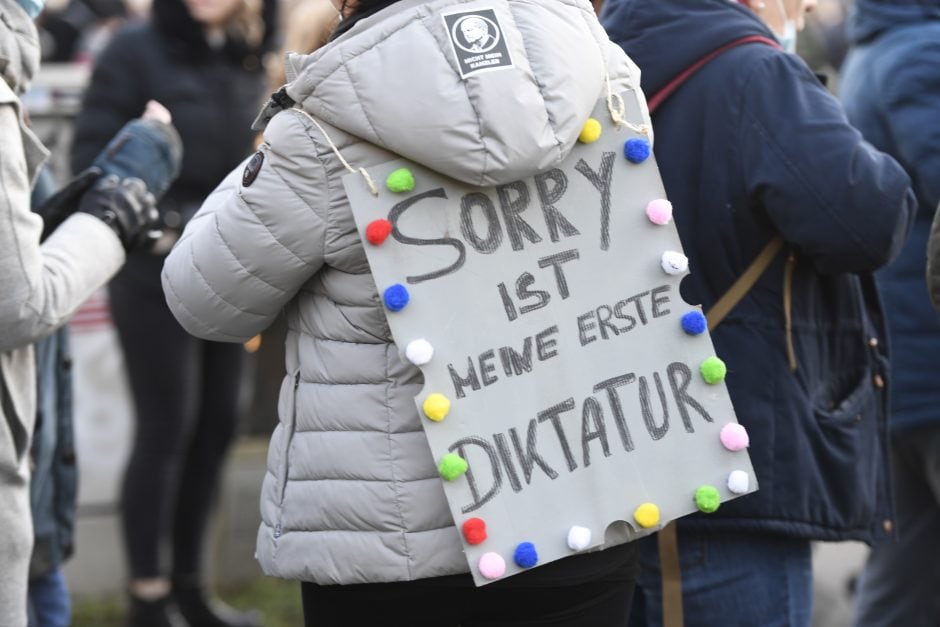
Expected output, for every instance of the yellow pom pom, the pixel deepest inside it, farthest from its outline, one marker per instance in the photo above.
(646, 515)
(436, 406)
(591, 132)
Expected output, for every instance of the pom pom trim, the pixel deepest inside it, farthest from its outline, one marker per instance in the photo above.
(396, 297)
(474, 530)
(694, 323)
(713, 370)
(734, 437)
(646, 515)
(452, 466)
(491, 565)
(525, 555)
(419, 352)
(377, 231)
(579, 538)
(739, 482)
(400, 180)
(436, 406)
(636, 150)
(590, 132)
(707, 499)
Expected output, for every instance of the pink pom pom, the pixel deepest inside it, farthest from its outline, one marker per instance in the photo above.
(659, 211)
(492, 566)
(734, 437)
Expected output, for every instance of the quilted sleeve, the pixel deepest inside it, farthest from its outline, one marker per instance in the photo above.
(256, 240)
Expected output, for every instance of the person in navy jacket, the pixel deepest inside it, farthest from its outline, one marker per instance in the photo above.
(891, 91)
(751, 146)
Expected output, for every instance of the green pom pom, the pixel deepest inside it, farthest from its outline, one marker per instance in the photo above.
(401, 180)
(452, 466)
(713, 370)
(707, 498)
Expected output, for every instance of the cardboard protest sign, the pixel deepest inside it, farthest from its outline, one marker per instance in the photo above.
(565, 392)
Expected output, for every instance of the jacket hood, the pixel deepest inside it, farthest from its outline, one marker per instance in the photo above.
(393, 80)
(19, 46)
(870, 18)
(657, 32)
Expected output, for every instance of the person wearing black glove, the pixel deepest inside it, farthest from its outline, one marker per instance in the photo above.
(127, 207)
(148, 149)
(42, 284)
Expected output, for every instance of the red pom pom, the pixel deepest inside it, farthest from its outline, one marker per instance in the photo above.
(474, 531)
(377, 231)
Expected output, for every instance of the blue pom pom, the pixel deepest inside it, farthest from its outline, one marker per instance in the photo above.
(636, 150)
(525, 555)
(396, 297)
(694, 323)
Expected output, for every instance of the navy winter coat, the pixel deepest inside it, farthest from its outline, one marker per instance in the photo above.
(891, 91)
(750, 146)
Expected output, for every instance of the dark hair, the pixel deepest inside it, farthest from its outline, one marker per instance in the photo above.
(361, 9)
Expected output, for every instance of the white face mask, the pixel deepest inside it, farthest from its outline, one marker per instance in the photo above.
(788, 37)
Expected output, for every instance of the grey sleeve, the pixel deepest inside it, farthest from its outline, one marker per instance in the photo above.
(250, 248)
(42, 285)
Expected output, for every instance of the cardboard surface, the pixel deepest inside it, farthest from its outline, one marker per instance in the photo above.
(575, 394)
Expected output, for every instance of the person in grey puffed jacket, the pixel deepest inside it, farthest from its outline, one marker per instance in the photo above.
(352, 494)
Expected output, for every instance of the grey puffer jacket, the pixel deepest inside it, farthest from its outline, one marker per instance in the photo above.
(352, 494)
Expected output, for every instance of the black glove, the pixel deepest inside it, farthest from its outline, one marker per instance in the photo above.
(127, 207)
(64, 202)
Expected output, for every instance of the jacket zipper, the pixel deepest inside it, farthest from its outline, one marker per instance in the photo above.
(286, 453)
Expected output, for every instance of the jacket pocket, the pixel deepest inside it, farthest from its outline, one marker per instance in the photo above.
(847, 455)
(847, 398)
(287, 437)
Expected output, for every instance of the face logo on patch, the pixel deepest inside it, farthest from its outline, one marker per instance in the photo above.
(478, 41)
(474, 33)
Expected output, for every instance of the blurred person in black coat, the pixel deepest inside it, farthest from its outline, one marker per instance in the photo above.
(202, 60)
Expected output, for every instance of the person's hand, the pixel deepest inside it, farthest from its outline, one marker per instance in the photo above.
(127, 207)
(156, 111)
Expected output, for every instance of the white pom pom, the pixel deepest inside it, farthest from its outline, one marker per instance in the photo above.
(419, 352)
(674, 262)
(738, 482)
(579, 538)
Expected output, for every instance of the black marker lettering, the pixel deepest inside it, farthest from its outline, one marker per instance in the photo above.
(395, 214)
(675, 371)
(556, 262)
(601, 181)
(516, 227)
(548, 197)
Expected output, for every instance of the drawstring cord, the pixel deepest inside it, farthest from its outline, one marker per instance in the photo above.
(617, 110)
(615, 106)
(362, 171)
(788, 307)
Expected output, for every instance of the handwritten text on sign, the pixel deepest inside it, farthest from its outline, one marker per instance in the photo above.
(575, 395)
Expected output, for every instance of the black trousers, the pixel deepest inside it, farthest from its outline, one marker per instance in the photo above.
(186, 399)
(526, 600)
